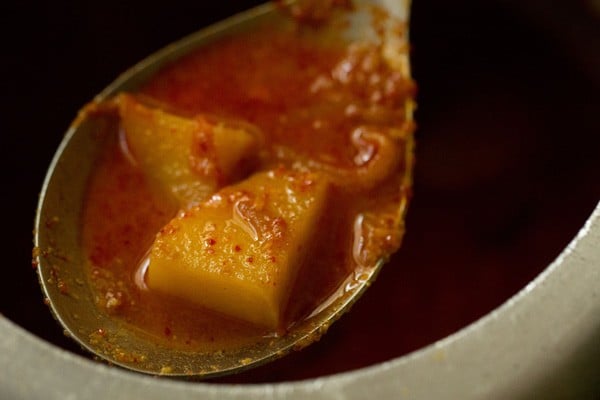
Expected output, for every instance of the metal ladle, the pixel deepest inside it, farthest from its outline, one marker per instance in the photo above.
(60, 259)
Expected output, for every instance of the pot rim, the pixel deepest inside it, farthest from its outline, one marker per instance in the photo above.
(518, 349)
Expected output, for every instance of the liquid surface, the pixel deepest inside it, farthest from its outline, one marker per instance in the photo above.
(321, 106)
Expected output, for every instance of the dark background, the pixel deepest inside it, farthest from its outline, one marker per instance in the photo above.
(508, 152)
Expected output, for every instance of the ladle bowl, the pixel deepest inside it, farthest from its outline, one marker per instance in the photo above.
(61, 260)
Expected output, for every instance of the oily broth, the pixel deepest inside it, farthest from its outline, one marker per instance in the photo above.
(283, 82)
(121, 218)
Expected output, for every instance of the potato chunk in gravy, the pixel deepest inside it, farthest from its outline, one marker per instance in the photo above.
(248, 181)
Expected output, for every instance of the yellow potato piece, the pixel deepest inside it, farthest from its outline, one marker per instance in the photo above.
(239, 252)
(188, 158)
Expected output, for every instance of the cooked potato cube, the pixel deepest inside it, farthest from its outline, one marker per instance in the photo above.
(189, 158)
(240, 251)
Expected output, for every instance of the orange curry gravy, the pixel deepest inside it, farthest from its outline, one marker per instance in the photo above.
(320, 105)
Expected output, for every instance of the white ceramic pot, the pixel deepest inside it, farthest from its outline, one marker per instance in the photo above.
(542, 343)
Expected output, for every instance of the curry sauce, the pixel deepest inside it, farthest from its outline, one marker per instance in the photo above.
(320, 106)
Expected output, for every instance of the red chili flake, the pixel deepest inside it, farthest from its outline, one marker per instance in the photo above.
(211, 241)
(168, 229)
(62, 287)
(167, 331)
(250, 259)
(203, 146)
(237, 248)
